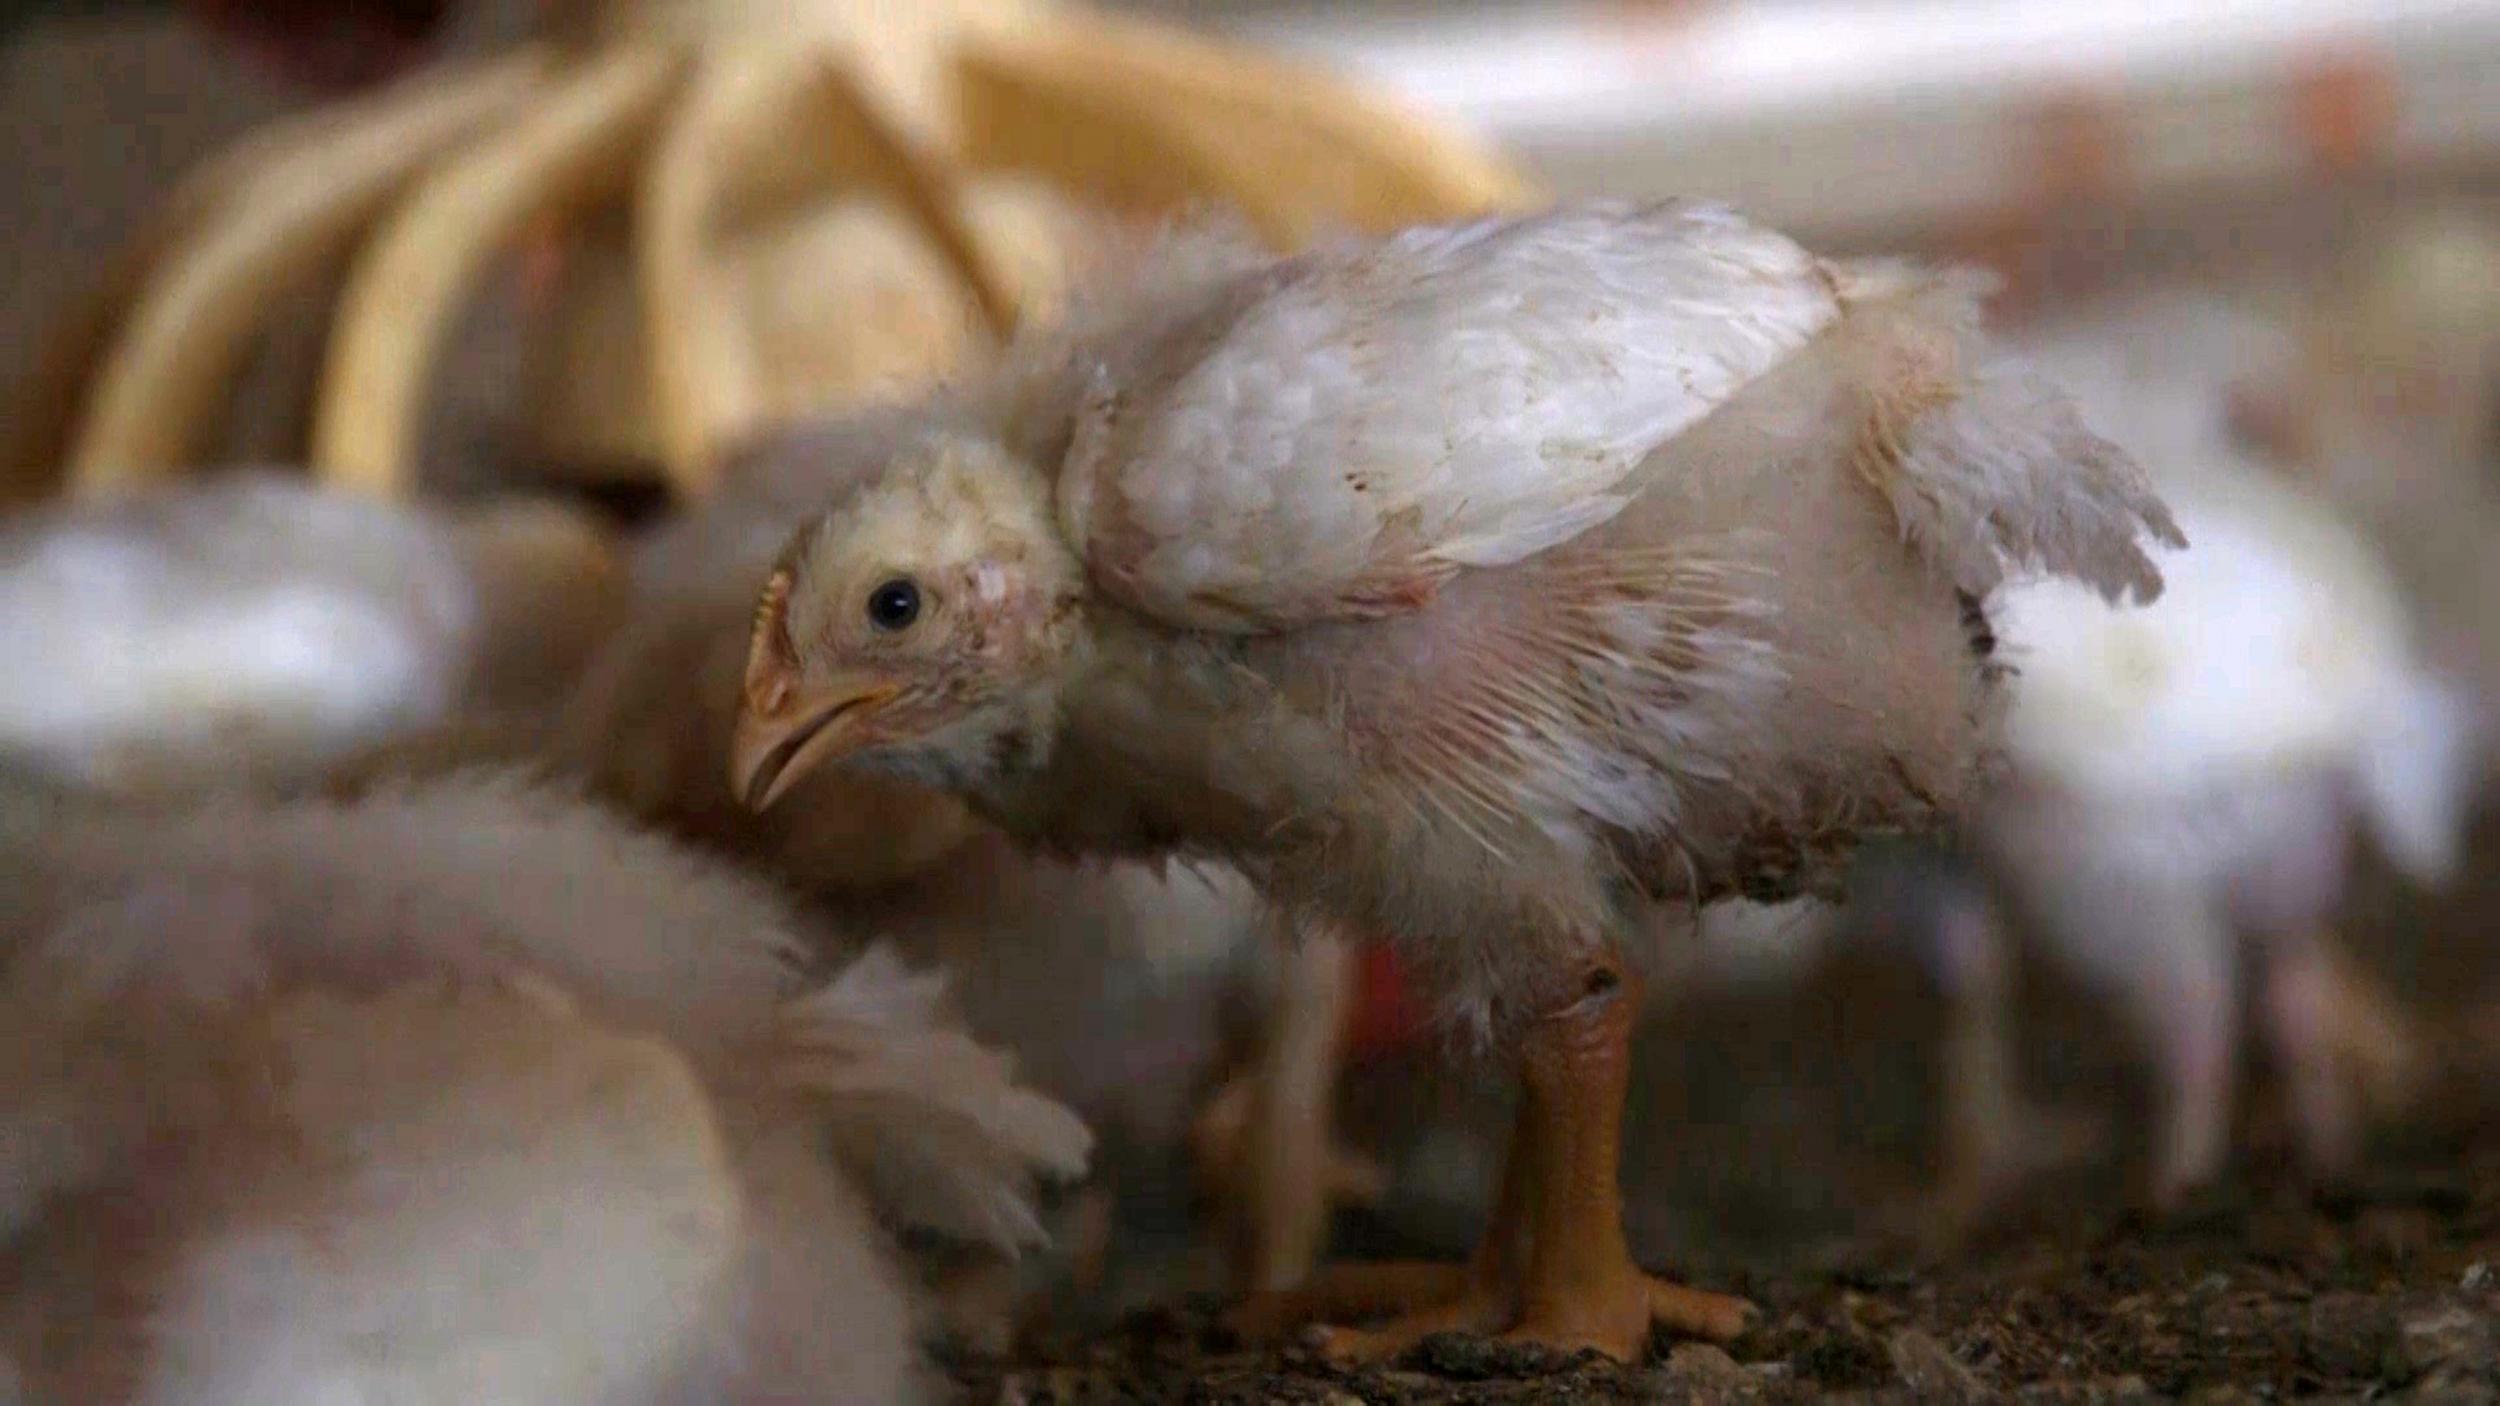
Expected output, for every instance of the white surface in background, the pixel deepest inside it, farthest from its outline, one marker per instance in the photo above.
(1877, 111)
(1562, 66)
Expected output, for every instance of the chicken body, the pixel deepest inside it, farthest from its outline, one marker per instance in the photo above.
(2188, 782)
(467, 1092)
(258, 628)
(1504, 590)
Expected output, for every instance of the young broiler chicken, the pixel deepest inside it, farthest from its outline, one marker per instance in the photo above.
(1505, 590)
(1107, 981)
(256, 628)
(466, 1092)
(2189, 778)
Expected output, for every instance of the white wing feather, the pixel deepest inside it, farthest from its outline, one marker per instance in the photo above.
(1335, 438)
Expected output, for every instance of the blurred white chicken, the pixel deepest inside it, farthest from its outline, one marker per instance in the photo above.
(2187, 778)
(466, 1093)
(2187, 784)
(254, 628)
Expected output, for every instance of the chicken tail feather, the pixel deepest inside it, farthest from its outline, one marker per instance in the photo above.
(1991, 471)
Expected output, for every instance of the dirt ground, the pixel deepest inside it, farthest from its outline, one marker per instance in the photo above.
(2393, 1294)
(1781, 1144)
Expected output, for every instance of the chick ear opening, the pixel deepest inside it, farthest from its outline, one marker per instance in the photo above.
(772, 661)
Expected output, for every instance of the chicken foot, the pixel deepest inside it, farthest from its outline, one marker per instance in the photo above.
(1554, 1269)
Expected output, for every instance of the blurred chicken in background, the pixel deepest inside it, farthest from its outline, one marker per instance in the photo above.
(255, 629)
(467, 1092)
(2187, 784)
(2187, 780)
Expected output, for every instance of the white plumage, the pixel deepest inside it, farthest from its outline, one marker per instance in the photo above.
(2188, 778)
(1339, 436)
(256, 627)
(467, 1093)
(2280, 650)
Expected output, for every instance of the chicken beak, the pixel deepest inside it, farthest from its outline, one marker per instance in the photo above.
(776, 746)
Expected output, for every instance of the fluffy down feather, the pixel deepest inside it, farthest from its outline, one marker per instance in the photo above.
(1991, 470)
(619, 1129)
(256, 628)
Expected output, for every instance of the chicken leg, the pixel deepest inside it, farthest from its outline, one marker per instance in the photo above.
(1995, 1138)
(1265, 1143)
(1553, 1269)
(2343, 1048)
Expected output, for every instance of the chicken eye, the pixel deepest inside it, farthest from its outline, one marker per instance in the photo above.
(894, 604)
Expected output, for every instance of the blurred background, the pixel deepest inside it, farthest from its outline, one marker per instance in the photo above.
(2240, 133)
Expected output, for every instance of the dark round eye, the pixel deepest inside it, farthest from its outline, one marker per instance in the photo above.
(894, 604)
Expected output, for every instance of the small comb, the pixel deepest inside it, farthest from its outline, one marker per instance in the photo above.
(770, 657)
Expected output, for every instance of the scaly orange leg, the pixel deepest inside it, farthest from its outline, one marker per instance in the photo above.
(1554, 1268)
(1582, 1288)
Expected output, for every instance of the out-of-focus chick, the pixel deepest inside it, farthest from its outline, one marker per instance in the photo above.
(2187, 780)
(467, 1092)
(255, 628)
(1489, 589)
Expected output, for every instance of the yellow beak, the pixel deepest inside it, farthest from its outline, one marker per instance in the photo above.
(783, 734)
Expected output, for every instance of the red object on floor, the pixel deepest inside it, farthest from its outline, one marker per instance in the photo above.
(1385, 1018)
